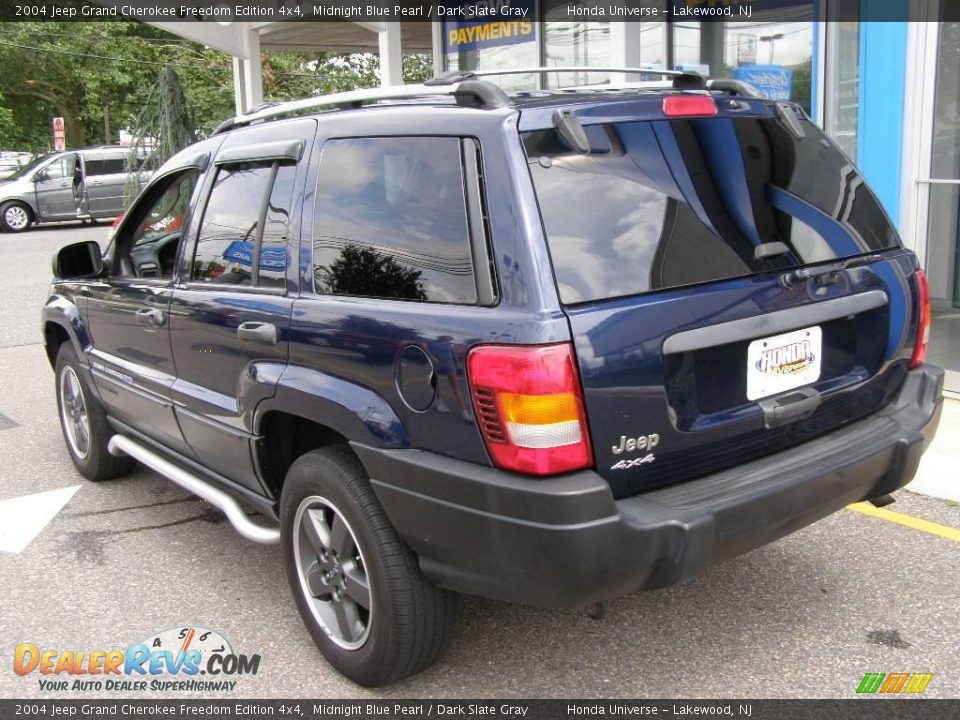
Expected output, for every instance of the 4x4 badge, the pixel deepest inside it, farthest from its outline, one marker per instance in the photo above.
(627, 464)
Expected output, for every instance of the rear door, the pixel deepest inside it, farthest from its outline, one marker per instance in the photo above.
(105, 179)
(230, 318)
(676, 244)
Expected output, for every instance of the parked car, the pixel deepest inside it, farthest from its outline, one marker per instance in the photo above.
(76, 185)
(550, 348)
(11, 161)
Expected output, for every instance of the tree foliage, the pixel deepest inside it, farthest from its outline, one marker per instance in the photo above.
(163, 127)
(98, 76)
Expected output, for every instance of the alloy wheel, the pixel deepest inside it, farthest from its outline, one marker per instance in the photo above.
(332, 572)
(73, 411)
(16, 217)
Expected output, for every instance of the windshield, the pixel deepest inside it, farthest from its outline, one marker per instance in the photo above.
(29, 167)
(664, 204)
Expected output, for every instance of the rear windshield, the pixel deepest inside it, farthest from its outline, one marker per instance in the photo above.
(669, 203)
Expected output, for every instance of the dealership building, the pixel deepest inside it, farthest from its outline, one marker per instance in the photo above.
(887, 91)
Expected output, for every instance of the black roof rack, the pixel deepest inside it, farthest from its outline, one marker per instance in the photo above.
(735, 87)
(467, 87)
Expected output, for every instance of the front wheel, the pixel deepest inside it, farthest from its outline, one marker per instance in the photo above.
(84, 423)
(358, 588)
(15, 216)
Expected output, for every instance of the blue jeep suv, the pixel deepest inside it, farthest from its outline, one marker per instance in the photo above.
(550, 348)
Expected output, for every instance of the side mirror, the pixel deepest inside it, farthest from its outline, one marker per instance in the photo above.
(78, 261)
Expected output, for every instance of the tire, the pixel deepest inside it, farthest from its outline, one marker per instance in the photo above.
(15, 216)
(84, 423)
(408, 621)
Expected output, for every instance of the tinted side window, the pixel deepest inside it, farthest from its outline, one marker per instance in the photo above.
(391, 220)
(104, 166)
(228, 233)
(273, 251)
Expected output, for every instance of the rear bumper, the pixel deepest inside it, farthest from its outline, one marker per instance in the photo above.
(565, 541)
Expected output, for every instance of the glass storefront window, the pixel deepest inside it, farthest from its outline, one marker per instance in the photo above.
(653, 44)
(943, 229)
(843, 85)
(776, 57)
(576, 43)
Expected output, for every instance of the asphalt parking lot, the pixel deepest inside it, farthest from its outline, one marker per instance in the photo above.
(805, 617)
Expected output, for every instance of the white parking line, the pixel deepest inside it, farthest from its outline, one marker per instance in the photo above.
(23, 518)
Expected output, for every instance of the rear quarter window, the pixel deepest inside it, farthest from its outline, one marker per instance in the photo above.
(104, 166)
(391, 220)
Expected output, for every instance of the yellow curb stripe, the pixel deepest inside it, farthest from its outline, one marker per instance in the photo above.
(909, 521)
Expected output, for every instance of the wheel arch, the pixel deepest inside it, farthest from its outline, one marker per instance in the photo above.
(312, 409)
(61, 323)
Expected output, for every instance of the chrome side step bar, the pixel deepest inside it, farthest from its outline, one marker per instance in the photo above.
(122, 445)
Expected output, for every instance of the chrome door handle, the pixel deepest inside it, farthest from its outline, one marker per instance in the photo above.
(259, 332)
(151, 316)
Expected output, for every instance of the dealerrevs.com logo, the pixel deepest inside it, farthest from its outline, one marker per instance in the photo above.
(179, 659)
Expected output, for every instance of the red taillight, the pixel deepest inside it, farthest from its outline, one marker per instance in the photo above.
(684, 105)
(923, 326)
(116, 221)
(529, 407)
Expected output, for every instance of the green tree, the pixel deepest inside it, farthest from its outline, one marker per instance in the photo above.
(163, 127)
(97, 77)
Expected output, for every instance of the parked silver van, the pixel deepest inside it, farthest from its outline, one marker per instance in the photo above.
(75, 185)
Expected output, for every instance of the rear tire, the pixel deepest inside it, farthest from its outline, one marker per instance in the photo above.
(358, 588)
(83, 421)
(15, 216)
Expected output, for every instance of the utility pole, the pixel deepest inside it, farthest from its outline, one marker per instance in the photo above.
(107, 139)
(771, 39)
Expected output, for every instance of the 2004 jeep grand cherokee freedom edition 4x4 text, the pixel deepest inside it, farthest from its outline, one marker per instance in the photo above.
(550, 348)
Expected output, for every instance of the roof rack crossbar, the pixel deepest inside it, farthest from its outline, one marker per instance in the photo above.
(735, 87)
(682, 79)
(472, 92)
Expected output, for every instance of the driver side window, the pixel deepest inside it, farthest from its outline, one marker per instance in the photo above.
(152, 249)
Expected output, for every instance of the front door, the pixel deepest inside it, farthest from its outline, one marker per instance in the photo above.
(59, 188)
(230, 319)
(129, 313)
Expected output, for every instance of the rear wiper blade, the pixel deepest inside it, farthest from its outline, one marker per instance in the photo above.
(826, 274)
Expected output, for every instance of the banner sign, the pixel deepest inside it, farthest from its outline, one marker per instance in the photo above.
(774, 81)
(479, 24)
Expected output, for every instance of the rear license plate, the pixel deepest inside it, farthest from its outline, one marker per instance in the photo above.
(779, 363)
